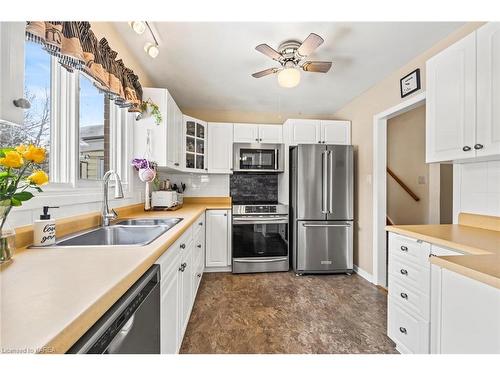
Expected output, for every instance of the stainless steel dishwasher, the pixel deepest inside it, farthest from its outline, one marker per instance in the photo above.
(131, 325)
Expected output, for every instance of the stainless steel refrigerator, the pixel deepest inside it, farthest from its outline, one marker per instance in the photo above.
(321, 204)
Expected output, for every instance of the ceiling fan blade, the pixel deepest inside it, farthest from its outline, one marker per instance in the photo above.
(312, 42)
(269, 51)
(317, 66)
(266, 72)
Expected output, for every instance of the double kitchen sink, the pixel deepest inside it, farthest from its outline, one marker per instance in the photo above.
(131, 232)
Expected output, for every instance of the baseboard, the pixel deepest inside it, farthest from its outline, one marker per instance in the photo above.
(365, 275)
(217, 269)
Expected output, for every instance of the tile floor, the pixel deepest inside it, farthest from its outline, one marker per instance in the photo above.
(283, 313)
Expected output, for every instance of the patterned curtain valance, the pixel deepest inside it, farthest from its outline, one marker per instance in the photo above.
(76, 47)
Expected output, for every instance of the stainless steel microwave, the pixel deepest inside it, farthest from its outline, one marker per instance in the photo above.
(257, 157)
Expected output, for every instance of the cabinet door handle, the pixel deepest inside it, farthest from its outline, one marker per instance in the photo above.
(198, 274)
(404, 272)
(176, 164)
(478, 146)
(404, 248)
(466, 148)
(404, 295)
(22, 103)
(403, 330)
(260, 139)
(183, 246)
(183, 267)
(257, 139)
(200, 223)
(198, 246)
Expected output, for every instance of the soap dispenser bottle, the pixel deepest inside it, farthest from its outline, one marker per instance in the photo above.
(44, 230)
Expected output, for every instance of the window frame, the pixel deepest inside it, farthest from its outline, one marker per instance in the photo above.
(65, 185)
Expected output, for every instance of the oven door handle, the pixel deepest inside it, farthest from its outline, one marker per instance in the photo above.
(259, 260)
(326, 225)
(259, 221)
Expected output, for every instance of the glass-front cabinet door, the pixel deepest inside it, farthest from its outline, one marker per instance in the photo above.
(195, 144)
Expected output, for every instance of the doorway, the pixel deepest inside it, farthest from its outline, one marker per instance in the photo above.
(436, 179)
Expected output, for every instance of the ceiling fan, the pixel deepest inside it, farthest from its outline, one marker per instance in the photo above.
(290, 56)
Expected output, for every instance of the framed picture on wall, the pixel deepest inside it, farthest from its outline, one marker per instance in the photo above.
(410, 83)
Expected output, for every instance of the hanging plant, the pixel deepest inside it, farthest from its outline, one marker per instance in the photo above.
(149, 108)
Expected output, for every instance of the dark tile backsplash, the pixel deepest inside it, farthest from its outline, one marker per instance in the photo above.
(246, 188)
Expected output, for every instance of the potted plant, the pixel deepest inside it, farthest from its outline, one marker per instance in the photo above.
(19, 173)
(149, 108)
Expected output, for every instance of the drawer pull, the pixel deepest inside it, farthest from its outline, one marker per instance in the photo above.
(404, 272)
(404, 295)
(404, 248)
(183, 246)
(198, 274)
(403, 330)
(200, 223)
(198, 246)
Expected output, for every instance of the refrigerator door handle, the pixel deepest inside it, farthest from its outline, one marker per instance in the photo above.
(330, 181)
(324, 180)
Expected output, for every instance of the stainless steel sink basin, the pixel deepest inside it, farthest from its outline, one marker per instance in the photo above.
(169, 222)
(116, 235)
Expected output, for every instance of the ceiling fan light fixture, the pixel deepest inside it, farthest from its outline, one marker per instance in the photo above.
(138, 26)
(151, 49)
(289, 77)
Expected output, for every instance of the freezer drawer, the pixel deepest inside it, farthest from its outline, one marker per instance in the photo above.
(323, 247)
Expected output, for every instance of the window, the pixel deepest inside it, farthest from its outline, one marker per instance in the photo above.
(94, 131)
(37, 90)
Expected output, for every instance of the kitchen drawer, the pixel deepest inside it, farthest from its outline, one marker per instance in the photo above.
(408, 248)
(411, 274)
(409, 333)
(410, 298)
(175, 249)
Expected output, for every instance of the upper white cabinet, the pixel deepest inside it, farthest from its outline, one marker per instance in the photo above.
(195, 144)
(150, 139)
(162, 142)
(463, 84)
(270, 133)
(246, 133)
(488, 90)
(335, 132)
(258, 133)
(220, 144)
(305, 131)
(175, 153)
(218, 238)
(12, 41)
(451, 102)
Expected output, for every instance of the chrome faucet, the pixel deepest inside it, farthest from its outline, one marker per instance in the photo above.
(107, 215)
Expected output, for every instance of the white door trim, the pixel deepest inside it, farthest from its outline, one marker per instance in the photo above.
(379, 182)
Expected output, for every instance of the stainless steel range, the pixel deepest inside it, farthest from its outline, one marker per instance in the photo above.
(260, 238)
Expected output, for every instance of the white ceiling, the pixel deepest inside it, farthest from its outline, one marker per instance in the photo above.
(208, 66)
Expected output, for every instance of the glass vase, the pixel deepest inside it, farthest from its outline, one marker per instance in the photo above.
(7, 234)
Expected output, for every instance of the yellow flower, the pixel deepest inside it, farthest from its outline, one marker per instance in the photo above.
(21, 148)
(33, 153)
(12, 159)
(38, 177)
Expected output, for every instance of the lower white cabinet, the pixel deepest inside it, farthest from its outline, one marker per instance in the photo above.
(181, 271)
(218, 238)
(408, 306)
(465, 314)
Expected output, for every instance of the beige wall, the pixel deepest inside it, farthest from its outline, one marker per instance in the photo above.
(360, 111)
(117, 43)
(406, 158)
